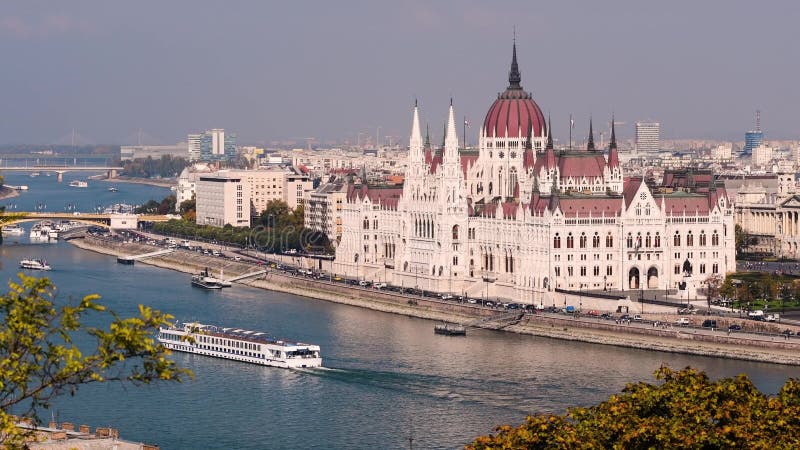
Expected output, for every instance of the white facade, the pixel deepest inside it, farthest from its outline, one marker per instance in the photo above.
(648, 137)
(722, 152)
(222, 199)
(517, 223)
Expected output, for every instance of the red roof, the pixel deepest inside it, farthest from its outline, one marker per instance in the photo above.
(515, 111)
(629, 188)
(466, 161)
(590, 206)
(686, 204)
(581, 165)
(387, 197)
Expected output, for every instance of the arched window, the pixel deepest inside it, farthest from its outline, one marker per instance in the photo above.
(629, 240)
(556, 241)
(676, 241)
(715, 238)
(596, 240)
(702, 238)
(689, 239)
(455, 232)
(582, 240)
(355, 259)
(570, 241)
(366, 223)
(609, 240)
(657, 241)
(647, 241)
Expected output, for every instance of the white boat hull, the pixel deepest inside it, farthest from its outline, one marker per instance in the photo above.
(285, 364)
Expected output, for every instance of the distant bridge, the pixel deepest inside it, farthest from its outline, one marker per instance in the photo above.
(60, 169)
(104, 220)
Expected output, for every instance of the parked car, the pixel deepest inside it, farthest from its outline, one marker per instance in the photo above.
(625, 317)
(734, 327)
(773, 318)
(637, 318)
(337, 278)
(709, 323)
(606, 316)
(683, 322)
(447, 297)
(379, 285)
(363, 283)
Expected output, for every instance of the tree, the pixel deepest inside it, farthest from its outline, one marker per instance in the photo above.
(39, 358)
(687, 410)
(713, 286)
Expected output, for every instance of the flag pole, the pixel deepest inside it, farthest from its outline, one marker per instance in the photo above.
(465, 132)
(570, 132)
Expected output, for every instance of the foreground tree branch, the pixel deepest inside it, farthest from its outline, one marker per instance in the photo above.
(39, 358)
(687, 410)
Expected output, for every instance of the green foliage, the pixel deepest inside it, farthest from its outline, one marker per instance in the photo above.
(165, 206)
(165, 167)
(687, 410)
(39, 359)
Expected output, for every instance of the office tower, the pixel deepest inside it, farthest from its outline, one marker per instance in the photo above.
(753, 138)
(193, 141)
(647, 137)
(216, 145)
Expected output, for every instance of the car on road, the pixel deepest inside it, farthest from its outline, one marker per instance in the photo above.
(637, 318)
(625, 317)
(337, 278)
(683, 322)
(734, 327)
(447, 297)
(606, 316)
(709, 323)
(379, 285)
(363, 283)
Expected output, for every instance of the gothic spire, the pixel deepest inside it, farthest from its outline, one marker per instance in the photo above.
(514, 77)
(590, 143)
(549, 134)
(613, 143)
(415, 142)
(528, 143)
(451, 138)
(427, 136)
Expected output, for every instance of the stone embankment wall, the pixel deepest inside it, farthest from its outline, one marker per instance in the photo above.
(670, 339)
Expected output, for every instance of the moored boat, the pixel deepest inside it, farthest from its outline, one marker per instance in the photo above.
(449, 329)
(241, 345)
(34, 264)
(13, 230)
(78, 183)
(205, 281)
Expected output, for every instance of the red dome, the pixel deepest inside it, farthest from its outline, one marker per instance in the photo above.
(514, 110)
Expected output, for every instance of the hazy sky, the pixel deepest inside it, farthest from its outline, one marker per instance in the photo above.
(332, 69)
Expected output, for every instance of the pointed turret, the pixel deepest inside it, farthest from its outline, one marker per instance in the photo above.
(590, 142)
(451, 139)
(549, 134)
(514, 77)
(427, 144)
(528, 143)
(613, 153)
(415, 142)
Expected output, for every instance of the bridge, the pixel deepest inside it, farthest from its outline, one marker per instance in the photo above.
(119, 221)
(111, 171)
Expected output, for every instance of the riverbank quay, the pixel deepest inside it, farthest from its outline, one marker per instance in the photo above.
(743, 346)
(168, 183)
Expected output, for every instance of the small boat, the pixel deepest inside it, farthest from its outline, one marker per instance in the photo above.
(112, 189)
(34, 174)
(42, 231)
(448, 329)
(205, 281)
(78, 183)
(34, 264)
(13, 230)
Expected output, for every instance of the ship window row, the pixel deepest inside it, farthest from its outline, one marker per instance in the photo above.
(170, 336)
(232, 351)
(228, 342)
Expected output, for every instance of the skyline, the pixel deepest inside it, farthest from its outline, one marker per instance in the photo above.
(278, 72)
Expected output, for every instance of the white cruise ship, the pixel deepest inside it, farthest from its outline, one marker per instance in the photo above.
(241, 345)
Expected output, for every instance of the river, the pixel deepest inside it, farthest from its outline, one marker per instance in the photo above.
(388, 381)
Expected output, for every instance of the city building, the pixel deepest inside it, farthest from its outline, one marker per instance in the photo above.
(323, 209)
(187, 183)
(222, 199)
(194, 146)
(762, 155)
(648, 137)
(131, 152)
(518, 219)
(216, 145)
(753, 138)
(722, 152)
